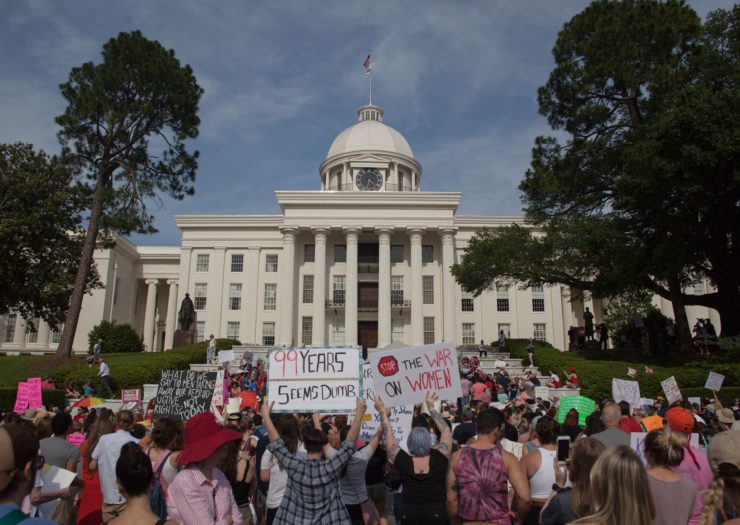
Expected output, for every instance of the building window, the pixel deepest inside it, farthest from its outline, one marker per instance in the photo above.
(506, 327)
(199, 296)
(539, 332)
(502, 298)
(427, 254)
(270, 296)
(309, 252)
(428, 330)
(468, 333)
(467, 304)
(428, 288)
(235, 296)
(56, 335)
(538, 298)
(268, 334)
(396, 253)
(202, 264)
(307, 330)
(307, 289)
(397, 290)
(232, 330)
(397, 329)
(116, 288)
(10, 327)
(339, 290)
(337, 331)
(698, 288)
(200, 331)
(271, 263)
(32, 331)
(237, 262)
(340, 253)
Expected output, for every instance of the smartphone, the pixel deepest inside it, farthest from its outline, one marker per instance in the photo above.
(563, 448)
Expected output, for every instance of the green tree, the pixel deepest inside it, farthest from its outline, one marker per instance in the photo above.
(40, 234)
(644, 192)
(124, 132)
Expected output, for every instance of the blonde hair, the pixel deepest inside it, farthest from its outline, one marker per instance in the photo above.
(721, 493)
(664, 449)
(620, 490)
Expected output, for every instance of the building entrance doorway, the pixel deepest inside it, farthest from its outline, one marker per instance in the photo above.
(367, 335)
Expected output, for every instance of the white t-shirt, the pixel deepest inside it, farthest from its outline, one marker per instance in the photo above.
(106, 453)
(278, 476)
(104, 370)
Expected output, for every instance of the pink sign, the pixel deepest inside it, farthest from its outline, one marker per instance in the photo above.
(34, 393)
(76, 439)
(133, 394)
(21, 398)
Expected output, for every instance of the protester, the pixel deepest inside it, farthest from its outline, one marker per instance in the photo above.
(482, 351)
(627, 423)
(312, 494)
(211, 352)
(423, 470)
(673, 494)
(620, 492)
(554, 381)
(270, 469)
(18, 466)
(239, 469)
(352, 481)
(725, 445)
(571, 378)
(134, 477)
(57, 450)
(567, 504)
(612, 435)
(467, 427)
(104, 458)
(476, 486)
(89, 511)
(722, 499)
(164, 452)
(570, 426)
(530, 351)
(104, 373)
(538, 467)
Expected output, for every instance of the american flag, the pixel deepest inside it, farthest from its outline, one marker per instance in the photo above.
(631, 372)
(368, 65)
(648, 370)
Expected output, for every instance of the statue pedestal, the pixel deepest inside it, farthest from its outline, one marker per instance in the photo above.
(183, 338)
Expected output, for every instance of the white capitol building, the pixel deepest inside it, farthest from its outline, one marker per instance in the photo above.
(364, 260)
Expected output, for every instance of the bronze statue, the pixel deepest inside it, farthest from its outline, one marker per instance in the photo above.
(187, 312)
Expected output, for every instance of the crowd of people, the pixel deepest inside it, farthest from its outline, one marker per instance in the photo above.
(494, 456)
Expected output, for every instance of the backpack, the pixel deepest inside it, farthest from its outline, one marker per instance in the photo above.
(156, 494)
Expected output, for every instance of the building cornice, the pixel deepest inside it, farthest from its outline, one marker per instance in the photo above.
(368, 200)
(228, 221)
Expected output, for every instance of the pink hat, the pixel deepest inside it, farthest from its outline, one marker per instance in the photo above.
(203, 435)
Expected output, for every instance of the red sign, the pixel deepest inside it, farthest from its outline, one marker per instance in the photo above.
(388, 366)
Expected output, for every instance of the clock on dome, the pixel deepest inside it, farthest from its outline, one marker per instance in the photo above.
(369, 179)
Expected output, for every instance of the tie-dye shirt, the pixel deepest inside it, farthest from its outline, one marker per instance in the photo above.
(482, 480)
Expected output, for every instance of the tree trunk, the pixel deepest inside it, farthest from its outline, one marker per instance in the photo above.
(679, 312)
(728, 306)
(88, 249)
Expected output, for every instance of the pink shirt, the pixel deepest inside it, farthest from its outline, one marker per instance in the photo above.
(193, 500)
(701, 476)
(478, 389)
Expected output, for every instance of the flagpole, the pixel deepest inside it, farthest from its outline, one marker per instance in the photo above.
(371, 87)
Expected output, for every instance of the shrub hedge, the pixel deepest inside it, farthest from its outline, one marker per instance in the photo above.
(596, 376)
(117, 338)
(50, 397)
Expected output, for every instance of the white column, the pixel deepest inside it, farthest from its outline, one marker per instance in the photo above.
(43, 329)
(149, 313)
(448, 283)
(350, 309)
(384, 286)
(171, 325)
(217, 283)
(287, 284)
(250, 296)
(185, 256)
(417, 293)
(319, 286)
(399, 185)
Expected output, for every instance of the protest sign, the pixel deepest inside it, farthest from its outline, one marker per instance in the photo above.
(21, 398)
(247, 359)
(183, 394)
(582, 404)
(34, 393)
(637, 443)
(624, 390)
(403, 377)
(234, 405)
(325, 380)
(695, 400)
(714, 381)
(670, 387)
(218, 389)
(542, 392)
(248, 400)
(646, 402)
(55, 479)
(226, 356)
(128, 395)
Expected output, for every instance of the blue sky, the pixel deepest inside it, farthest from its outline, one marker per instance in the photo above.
(283, 77)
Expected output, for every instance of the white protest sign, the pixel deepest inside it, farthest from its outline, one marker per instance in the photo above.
(542, 392)
(647, 401)
(55, 479)
(637, 443)
(226, 356)
(218, 389)
(404, 376)
(670, 387)
(714, 381)
(695, 400)
(624, 390)
(327, 380)
(234, 405)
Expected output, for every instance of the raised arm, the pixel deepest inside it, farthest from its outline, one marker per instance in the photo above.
(452, 490)
(272, 432)
(445, 437)
(354, 430)
(391, 446)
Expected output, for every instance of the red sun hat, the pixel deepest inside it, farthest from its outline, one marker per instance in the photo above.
(680, 420)
(203, 435)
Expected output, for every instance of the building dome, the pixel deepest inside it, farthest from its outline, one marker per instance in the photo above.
(370, 134)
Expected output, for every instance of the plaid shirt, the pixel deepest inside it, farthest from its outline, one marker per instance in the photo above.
(312, 496)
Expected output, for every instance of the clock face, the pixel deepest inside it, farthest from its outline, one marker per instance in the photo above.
(369, 180)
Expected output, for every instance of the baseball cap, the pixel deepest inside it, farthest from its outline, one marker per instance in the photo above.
(680, 420)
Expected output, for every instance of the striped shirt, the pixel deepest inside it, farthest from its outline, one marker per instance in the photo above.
(193, 500)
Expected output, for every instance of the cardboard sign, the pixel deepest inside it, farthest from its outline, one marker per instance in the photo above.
(226, 356)
(248, 400)
(133, 394)
(218, 389)
(714, 382)
(34, 393)
(542, 392)
(325, 380)
(234, 405)
(624, 390)
(637, 443)
(670, 387)
(695, 400)
(247, 359)
(183, 394)
(404, 376)
(21, 398)
(582, 404)
(55, 479)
